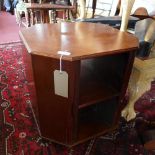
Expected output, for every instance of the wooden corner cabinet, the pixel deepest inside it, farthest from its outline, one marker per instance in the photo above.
(98, 70)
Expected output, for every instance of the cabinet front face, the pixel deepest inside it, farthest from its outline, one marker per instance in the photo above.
(101, 87)
(102, 78)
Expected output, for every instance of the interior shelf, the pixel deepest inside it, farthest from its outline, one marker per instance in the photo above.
(101, 79)
(89, 96)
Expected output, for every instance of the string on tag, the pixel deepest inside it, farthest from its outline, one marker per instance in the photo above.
(62, 53)
(61, 63)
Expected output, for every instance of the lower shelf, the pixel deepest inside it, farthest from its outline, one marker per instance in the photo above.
(97, 119)
(87, 131)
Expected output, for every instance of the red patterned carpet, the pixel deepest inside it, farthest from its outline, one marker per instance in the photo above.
(19, 132)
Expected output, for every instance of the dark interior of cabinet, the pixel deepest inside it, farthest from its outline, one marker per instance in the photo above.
(101, 78)
(96, 118)
(101, 82)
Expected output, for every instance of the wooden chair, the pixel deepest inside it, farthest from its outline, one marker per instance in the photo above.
(48, 12)
(21, 11)
(43, 12)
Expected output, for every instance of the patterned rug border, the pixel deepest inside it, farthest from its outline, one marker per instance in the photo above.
(10, 42)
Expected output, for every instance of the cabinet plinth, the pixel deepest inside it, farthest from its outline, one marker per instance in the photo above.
(98, 73)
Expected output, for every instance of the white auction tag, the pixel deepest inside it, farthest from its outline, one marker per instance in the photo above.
(64, 53)
(61, 83)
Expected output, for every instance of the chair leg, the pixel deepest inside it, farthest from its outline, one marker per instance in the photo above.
(18, 17)
(32, 17)
(70, 15)
(52, 16)
(27, 18)
(46, 16)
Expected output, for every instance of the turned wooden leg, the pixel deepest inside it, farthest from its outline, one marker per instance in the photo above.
(82, 4)
(52, 16)
(17, 16)
(27, 18)
(32, 17)
(45, 16)
(126, 6)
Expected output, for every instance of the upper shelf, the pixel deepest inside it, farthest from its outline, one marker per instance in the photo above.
(83, 40)
(100, 92)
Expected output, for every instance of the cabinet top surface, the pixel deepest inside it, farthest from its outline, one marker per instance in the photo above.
(82, 40)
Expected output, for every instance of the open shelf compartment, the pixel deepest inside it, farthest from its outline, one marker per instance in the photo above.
(101, 78)
(97, 118)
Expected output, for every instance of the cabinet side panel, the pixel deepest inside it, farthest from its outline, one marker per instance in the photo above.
(55, 112)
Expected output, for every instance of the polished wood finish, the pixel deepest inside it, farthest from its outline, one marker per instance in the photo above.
(83, 40)
(98, 68)
(47, 6)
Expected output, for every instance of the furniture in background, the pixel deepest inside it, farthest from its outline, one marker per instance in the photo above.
(123, 21)
(148, 5)
(96, 75)
(94, 8)
(141, 13)
(102, 8)
(43, 12)
(49, 12)
(20, 11)
(143, 70)
(114, 21)
(1, 5)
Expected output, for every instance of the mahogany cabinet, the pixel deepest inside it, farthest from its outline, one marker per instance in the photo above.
(98, 73)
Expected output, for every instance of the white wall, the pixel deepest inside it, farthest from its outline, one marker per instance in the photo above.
(148, 4)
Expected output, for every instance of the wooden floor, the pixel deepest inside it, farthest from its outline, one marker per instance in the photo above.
(8, 28)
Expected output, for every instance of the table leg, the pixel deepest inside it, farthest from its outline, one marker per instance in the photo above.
(31, 17)
(27, 16)
(138, 85)
(52, 16)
